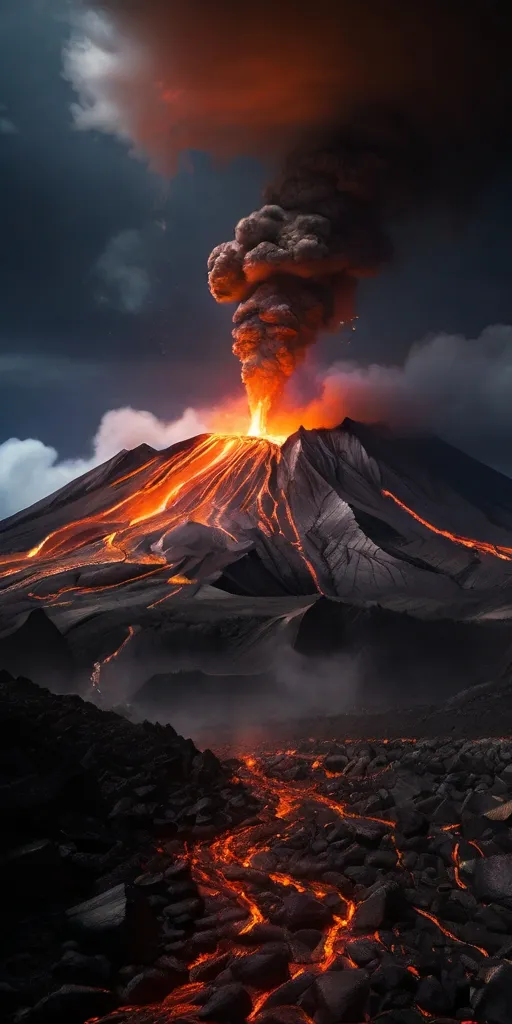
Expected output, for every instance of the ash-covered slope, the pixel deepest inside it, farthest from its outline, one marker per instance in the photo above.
(207, 554)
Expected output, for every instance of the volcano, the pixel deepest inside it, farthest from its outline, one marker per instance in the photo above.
(209, 555)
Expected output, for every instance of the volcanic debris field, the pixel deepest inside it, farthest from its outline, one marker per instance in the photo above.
(144, 881)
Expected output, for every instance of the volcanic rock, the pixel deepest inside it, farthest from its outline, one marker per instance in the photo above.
(289, 993)
(375, 519)
(83, 970)
(263, 970)
(150, 986)
(492, 879)
(373, 912)
(342, 995)
(118, 920)
(71, 1004)
(493, 1002)
(304, 911)
(432, 997)
(231, 1003)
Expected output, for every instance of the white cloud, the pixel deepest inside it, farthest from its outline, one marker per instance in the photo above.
(124, 279)
(29, 469)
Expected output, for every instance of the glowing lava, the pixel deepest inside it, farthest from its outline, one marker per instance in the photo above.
(258, 426)
(200, 482)
(223, 866)
(498, 550)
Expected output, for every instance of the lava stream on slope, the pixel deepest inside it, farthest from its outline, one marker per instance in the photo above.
(232, 867)
(215, 481)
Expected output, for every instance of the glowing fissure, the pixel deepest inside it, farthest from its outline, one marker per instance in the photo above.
(215, 481)
(483, 547)
(98, 665)
(211, 861)
(200, 484)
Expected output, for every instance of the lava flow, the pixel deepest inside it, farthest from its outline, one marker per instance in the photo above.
(209, 481)
(236, 484)
(239, 880)
(498, 550)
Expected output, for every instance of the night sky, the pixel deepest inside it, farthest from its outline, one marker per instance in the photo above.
(103, 286)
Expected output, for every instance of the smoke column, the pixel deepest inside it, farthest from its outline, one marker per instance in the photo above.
(294, 264)
(372, 110)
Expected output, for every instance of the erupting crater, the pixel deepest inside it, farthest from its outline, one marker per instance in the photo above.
(247, 530)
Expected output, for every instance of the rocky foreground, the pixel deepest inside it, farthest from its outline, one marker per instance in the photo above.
(88, 802)
(337, 881)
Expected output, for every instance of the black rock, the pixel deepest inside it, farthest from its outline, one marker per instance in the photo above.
(72, 1004)
(309, 937)
(304, 911)
(381, 906)
(492, 879)
(210, 969)
(261, 970)
(335, 762)
(392, 976)
(149, 986)
(492, 1004)
(342, 995)
(82, 970)
(230, 1003)
(289, 993)
(432, 997)
(118, 921)
(362, 951)
(262, 933)
(370, 914)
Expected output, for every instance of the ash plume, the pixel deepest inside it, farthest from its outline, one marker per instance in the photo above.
(294, 264)
(289, 81)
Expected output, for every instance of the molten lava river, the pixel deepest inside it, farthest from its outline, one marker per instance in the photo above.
(276, 919)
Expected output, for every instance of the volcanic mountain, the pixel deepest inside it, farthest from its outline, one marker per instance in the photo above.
(209, 554)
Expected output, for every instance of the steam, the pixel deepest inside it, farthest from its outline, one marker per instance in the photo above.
(457, 388)
(372, 110)
(294, 687)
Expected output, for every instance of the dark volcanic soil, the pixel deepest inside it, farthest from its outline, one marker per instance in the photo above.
(329, 881)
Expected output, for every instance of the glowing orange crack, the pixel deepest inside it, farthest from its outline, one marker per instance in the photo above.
(498, 550)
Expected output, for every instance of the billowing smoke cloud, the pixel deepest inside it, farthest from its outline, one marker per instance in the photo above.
(30, 469)
(123, 278)
(292, 80)
(294, 263)
(456, 388)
